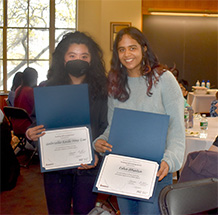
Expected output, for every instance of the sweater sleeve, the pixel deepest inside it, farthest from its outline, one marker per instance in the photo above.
(173, 102)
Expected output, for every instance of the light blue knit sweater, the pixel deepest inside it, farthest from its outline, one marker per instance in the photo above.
(167, 99)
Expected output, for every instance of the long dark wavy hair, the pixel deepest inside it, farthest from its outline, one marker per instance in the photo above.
(17, 81)
(151, 69)
(95, 78)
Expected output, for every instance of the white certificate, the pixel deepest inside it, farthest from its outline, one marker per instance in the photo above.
(62, 148)
(128, 176)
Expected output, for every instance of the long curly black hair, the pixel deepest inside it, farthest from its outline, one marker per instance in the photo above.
(95, 78)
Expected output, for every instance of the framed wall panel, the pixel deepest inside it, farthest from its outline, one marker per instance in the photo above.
(115, 27)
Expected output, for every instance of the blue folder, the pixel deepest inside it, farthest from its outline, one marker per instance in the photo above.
(137, 134)
(62, 106)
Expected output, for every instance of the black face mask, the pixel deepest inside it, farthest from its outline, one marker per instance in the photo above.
(77, 68)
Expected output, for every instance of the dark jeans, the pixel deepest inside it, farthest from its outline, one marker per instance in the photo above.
(62, 189)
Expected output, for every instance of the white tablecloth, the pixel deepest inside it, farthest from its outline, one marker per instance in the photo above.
(196, 143)
(200, 103)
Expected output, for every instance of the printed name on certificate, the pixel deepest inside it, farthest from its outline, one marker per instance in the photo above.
(128, 176)
(62, 148)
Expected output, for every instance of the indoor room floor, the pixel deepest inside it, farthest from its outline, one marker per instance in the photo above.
(28, 196)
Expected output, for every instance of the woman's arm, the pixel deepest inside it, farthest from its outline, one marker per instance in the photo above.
(174, 106)
(100, 144)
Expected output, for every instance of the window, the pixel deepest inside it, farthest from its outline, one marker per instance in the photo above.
(29, 31)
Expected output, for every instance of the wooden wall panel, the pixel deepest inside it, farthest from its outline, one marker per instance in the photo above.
(197, 5)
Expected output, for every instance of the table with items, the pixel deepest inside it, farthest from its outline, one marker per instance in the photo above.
(193, 140)
(200, 102)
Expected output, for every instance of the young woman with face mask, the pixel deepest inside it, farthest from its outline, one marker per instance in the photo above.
(77, 59)
(137, 81)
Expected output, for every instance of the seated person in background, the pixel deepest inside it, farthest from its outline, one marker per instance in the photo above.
(17, 81)
(214, 107)
(24, 97)
(182, 83)
(184, 87)
(24, 94)
(201, 164)
(174, 71)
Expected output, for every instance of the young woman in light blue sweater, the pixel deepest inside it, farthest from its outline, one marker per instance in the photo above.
(138, 82)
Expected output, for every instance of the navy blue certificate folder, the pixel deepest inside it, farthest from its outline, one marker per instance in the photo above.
(64, 106)
(138, 134)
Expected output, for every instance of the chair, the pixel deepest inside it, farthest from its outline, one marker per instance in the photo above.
(7, 102)
(112, 206)
(189, 197)
(19, 121)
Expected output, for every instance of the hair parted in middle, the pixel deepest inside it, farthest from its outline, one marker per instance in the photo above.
(96, 77)
(151, 69)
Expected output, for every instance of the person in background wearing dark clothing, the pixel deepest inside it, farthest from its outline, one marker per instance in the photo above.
(17, 81)
(184, 87)
(201, 164)
(75, 185)
(10, 167)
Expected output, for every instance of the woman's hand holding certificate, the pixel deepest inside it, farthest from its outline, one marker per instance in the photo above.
(127, 176)
(61, 148)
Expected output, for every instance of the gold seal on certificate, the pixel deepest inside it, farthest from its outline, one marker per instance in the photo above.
(127, 176)
(62, 148)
